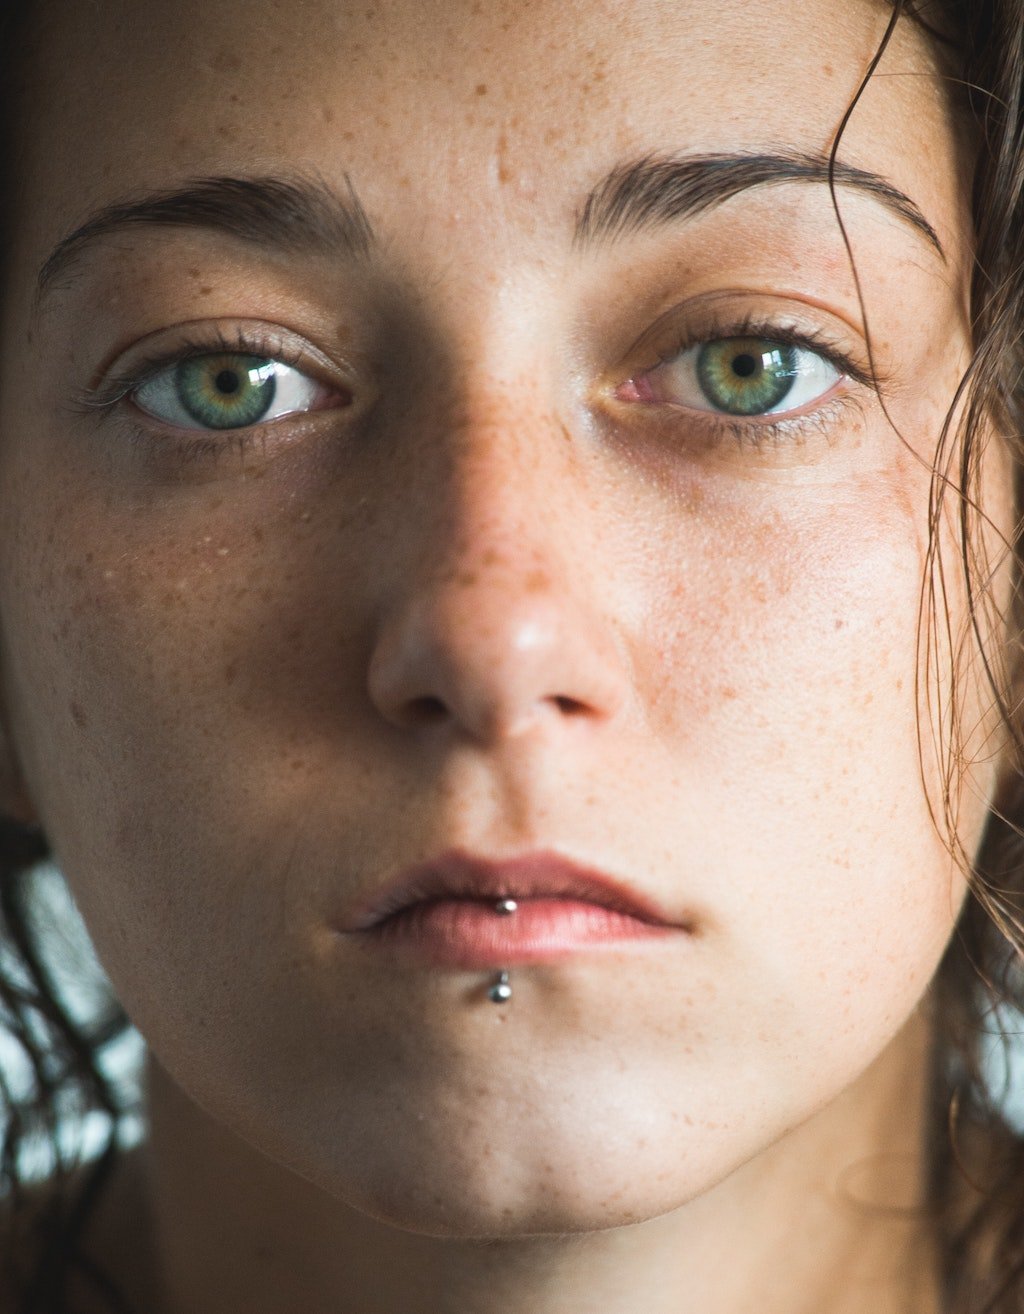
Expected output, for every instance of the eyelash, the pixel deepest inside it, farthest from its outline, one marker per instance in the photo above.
(749, 433)
(104, 398)
(763, 432)
(244, 343)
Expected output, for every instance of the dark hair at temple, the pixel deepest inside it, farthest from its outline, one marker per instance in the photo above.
(974, 1204)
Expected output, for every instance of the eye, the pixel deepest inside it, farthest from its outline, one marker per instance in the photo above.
(228, 390)
(742, 376)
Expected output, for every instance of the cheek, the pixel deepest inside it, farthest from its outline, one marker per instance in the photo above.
(795, 630)
(784, 678)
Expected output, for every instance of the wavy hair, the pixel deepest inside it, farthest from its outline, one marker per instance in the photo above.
(974, 1198)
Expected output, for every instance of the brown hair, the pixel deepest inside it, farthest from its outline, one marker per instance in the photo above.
(974, 1205)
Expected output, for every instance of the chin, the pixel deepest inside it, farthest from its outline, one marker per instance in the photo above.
(499, 1191)
(450, 1217)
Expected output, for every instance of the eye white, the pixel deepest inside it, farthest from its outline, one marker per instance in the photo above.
(294, 392)
(677, 382)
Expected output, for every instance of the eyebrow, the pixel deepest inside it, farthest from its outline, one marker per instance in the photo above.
(655, 191)
(306, 214)
(290, 213)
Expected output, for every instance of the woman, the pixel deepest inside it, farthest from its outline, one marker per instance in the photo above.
(509, 632)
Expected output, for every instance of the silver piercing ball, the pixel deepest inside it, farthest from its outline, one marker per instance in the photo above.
(499, 993)
(505, 906)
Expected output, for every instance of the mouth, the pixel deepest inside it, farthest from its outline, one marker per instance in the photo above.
(472, 912)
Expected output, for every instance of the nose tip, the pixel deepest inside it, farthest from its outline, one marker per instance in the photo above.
(493, 661)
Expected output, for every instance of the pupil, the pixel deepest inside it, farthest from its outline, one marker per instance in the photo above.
(744, 365)
(227, 381)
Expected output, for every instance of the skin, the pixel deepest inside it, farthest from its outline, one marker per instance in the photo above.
(689, 663)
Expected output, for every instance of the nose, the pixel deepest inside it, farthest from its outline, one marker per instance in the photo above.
(499, 626)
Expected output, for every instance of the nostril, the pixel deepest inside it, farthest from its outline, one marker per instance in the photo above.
(430, 710)
(426, 710)
(512, 663)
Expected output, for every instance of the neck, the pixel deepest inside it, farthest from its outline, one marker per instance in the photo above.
(823, 1221)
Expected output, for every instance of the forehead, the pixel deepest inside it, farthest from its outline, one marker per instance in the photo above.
(472, 115)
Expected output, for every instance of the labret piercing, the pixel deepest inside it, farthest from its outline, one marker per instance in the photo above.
(501, 991)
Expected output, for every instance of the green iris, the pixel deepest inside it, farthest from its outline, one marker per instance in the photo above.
(226, 390)
(746, 376)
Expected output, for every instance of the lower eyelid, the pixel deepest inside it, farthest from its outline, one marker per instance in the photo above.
(695, 431)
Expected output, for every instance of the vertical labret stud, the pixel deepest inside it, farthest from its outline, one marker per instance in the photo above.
(502, 990)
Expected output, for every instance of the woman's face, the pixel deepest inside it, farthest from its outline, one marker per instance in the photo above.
(510, 583)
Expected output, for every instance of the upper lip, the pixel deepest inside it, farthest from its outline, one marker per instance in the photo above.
(460, 875)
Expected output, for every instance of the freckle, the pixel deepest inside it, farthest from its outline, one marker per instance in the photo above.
(467, 579)
(481, 89)
(230, 671)
(193, 273)
(504, 172)
(828, 70)
(205, 291)
(78, 716)
(693, 498)
(537, 581)
(728, 692)
(839, 623)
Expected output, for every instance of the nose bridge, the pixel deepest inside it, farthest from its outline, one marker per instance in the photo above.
(509, 474)
(496, 625)
(502, 435)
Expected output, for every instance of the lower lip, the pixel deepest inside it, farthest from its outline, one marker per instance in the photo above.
(469, 933)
